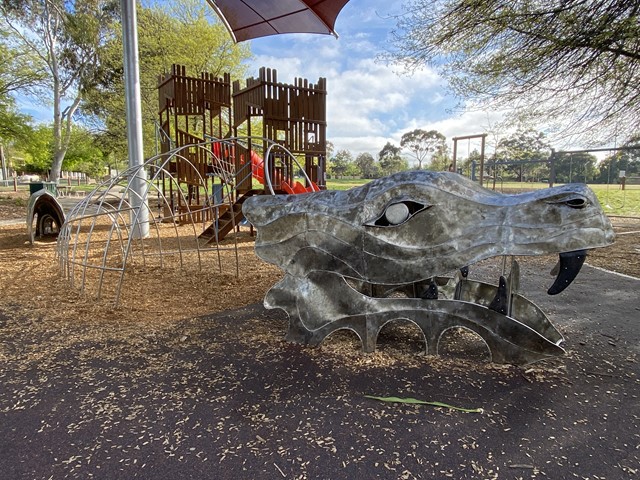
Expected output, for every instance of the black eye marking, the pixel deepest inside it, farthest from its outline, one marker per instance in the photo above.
(398, 213)
(574, 201)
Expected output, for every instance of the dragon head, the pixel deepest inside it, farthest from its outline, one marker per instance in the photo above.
(416, 225)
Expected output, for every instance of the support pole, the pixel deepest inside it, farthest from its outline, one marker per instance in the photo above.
(3, 173)
(138, 189)
(482, 146)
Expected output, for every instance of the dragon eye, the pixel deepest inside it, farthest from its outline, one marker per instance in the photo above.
(398, 213)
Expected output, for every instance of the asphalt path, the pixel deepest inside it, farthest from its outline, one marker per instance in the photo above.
(225, 397)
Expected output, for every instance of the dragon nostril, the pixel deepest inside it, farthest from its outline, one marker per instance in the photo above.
(576, 203)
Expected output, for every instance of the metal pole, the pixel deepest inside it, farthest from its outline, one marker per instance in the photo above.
(3, 173)
(482, 146)
(138, 198)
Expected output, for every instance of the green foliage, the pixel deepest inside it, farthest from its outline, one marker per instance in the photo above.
(64, 38)
(76, 48)
(16, 73)
(524, 146)
(37, 149)
(423, 144)
(627, 160)
(178, 32)
(367, 166)
(84, 154)
(342, 164)
(575, 167)
(572, 63)
(441, 159)
(390, 159)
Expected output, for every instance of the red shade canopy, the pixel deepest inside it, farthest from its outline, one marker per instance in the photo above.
(247, 19)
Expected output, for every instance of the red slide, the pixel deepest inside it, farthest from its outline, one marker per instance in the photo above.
(257, 168)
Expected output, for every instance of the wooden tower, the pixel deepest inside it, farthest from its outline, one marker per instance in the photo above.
(294, 116)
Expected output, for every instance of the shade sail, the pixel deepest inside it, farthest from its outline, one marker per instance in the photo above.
(247, 19)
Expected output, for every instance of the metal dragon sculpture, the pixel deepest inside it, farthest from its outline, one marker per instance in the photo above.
(344, 253)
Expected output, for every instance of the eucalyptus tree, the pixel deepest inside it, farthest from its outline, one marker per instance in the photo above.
(64, 39)
(180, 32)
(18, 72)
(391, 160)
(525, 151)
(441, 159)
(574, 64)
(367, 166)
(342, 164)
(422, 144)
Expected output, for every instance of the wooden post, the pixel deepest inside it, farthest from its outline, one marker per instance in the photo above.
(455, 152)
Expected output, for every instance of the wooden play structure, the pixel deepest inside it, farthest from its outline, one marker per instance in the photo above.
(483, 141)
(225, 162)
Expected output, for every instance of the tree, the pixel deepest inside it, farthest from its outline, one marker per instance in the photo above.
(367, 166)
(64, 37)
(575, 167)
(574, 63)
(521, 147)
(16, 73)
(422, 144)
(330, 148)
(84, 154)
(37, 149)
(178, 32)
(627, 160)
(342, 164)
(390, 159)
(441, 159)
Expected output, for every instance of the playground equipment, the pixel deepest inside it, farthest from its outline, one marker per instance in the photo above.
(209, 110)
(258, 171)
(195, 187)
(344, 253)
(47, 213)
(483, 141)
(95, 244)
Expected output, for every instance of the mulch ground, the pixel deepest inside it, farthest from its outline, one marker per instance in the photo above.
(92, 391)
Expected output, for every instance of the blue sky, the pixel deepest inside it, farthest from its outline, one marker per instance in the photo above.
(369, 103)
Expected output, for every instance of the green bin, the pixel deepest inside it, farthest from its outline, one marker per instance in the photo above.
(48, 186)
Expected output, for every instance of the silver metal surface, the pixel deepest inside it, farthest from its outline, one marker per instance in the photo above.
(138, 200)
(343, 252)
